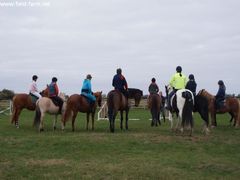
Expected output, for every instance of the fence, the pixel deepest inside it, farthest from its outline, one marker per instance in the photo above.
(6, 107)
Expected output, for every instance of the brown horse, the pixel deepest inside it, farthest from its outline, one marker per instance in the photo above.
(231, 105)
(78, 103)
(154, 104)
(23, 101)
(116, 101)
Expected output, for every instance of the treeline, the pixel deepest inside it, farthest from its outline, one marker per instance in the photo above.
(6, 94)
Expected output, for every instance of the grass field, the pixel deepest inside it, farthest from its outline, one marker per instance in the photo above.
(143, 152)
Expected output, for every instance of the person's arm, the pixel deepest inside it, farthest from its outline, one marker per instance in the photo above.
(56, 89)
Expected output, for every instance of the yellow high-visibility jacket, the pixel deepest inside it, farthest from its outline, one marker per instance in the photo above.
(178, 82)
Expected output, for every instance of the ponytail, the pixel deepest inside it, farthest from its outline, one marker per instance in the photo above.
(180, 74)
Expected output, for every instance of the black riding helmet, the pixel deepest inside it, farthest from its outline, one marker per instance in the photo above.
(54, 79)
(191, 77)
(34, 77)
(153, 80)
(220, 82)
(179, 69)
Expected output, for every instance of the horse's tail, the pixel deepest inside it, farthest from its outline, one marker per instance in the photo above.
(37, 115)
(13, 110)
(110, 105)
(67, 113)
(187, 116)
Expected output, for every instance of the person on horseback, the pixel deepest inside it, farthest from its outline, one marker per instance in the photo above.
(178, 81)
(191, 84)
(33, 90)
(220, 96)
(153, 87)
(87, 89)
(119, 83)
(54, 92)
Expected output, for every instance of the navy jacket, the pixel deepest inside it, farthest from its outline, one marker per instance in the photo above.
(119, 82)
(221, 92)
(192, 86)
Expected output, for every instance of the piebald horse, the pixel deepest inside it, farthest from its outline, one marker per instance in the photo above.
(78, 103)
(23, 101)
(231, 105)
(45, 105)
(182, 104)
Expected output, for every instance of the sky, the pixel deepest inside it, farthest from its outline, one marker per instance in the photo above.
(146, 38)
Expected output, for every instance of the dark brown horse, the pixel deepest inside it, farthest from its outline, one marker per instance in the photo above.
(231, 105)
(78, 103)
(23, 101)
(116, 101)
(154, 104)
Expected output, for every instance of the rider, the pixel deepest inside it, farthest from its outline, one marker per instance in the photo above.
(87, 89)
(191, 84)
(53, 93)
(177, 82)
(220, 96)
(153, 87)
(33, 90)
(119, 83)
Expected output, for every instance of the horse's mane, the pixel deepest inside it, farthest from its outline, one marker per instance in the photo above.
(134, 91)
(206, 94)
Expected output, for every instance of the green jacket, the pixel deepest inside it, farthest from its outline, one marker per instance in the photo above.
(178, 82)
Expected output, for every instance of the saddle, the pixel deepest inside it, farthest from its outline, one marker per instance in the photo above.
(219, 105)
(33, 98)
(55, 102)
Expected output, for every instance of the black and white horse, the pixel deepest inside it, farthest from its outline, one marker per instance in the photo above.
(182, 104)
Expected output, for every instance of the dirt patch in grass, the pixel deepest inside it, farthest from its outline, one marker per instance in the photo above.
(46, 162)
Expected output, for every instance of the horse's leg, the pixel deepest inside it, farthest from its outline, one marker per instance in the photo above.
(54, 123)
(41, 128)
(17, 114)
(152, 123)
(73, 120)
(213, 118)
(171, 119)
(127, 118)
(121, 120)
(93, 114)
(87, 121)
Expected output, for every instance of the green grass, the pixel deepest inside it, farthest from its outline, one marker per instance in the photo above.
(143, 152)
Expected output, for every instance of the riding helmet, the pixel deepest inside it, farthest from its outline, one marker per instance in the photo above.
(153, 80)
(220, 82)
(54, 79)
(191, 77)
(34, 77)
(179, 69)
(119, 71)
(89, 76)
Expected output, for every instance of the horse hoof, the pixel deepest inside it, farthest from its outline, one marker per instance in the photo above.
(213, 126)
(41, 130)
(54, 128)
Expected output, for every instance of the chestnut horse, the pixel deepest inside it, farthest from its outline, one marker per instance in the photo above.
(231, 105)
(45, 105)
(78, 103)
(23, 101)
(116, 101)
(154, 104)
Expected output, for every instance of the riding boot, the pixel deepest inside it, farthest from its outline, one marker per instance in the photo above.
(60, 110)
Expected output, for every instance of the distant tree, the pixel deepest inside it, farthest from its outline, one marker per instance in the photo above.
(6, 94)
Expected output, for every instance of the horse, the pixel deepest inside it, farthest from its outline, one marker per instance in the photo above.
(154, 104)
(231, 105)
(24, 101)
(78, 103)
(116, 101)
(45, 105)
(182, 104)
(135, 94)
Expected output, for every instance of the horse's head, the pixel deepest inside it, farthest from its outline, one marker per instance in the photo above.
(63, 96)
(98, 96)
(136, 94)
(45, 92)
(168, 89)
(206, 94)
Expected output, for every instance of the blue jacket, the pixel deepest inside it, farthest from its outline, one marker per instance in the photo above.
(87, 90)
(119, 82)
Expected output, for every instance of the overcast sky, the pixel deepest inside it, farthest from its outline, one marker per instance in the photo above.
(146, 38)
